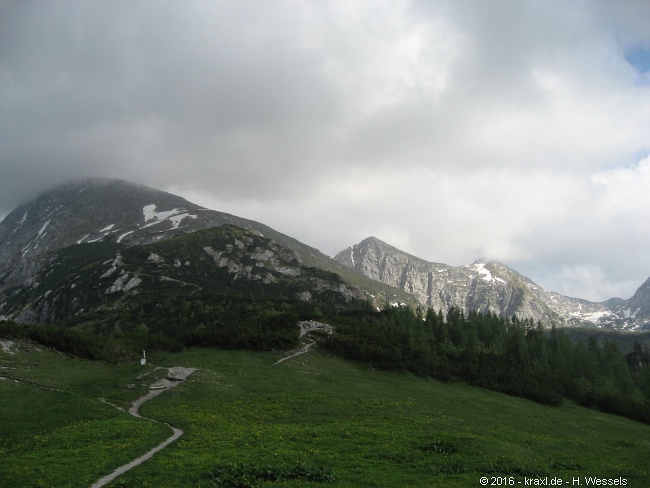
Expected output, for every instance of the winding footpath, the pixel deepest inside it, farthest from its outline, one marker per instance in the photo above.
(175, 376)
(306, 328)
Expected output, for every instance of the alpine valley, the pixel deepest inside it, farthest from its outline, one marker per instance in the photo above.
(420, 374)
(86, 249)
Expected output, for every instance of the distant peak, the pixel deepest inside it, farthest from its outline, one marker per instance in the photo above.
(371, 239)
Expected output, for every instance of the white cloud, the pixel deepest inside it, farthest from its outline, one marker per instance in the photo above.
(590, 280)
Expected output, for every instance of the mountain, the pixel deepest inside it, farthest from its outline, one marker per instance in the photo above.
(100, 210)
(490, 286)
(93, 222)
(119, 214)
(98, 281)
(637, 308)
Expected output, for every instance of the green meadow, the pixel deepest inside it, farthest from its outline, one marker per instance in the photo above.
(314, 420)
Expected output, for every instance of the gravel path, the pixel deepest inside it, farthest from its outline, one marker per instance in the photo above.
(175, 376)
(306, 327)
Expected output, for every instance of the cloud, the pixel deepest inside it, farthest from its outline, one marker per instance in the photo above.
(508, 130)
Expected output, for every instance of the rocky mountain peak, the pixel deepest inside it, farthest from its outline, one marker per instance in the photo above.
(637, 307)
(489, 286)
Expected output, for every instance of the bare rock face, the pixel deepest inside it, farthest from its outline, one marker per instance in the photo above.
(634, 310)
(489, 286)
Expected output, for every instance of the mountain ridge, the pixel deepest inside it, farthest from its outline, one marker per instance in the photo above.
(211, 265)
(110, 210)
(490, 287)
(120, 212)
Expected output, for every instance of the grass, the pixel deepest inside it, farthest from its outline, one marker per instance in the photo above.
(312, 420)
(55, 431)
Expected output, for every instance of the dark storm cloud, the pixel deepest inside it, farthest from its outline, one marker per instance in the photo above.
(453, 129)
(141, 89)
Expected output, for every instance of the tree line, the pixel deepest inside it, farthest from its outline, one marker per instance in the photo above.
(510, 355)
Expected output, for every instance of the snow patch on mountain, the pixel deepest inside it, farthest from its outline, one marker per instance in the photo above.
(23, 219)
(34, 243)
(174, 216)
(485, 274)
(597, 317)
(55, 210)
(155, 258)
(97, 239)
(176, 219)
(40, 232)
(628, 314)
(119, 239)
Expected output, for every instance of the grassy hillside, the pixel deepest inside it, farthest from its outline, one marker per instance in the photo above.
(313, 417)
(54, 430)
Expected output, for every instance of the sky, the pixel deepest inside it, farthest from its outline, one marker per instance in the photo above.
(508, 130)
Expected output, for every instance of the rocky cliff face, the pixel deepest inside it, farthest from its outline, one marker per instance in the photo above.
(486, 286)
(636, 309)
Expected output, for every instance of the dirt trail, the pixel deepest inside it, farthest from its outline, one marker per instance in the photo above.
(306, 328)
(175, 376)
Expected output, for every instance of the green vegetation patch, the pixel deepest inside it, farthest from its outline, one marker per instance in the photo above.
(362, 427)
(234, 475)
(311, 419)
(75, 454)
(55, 430)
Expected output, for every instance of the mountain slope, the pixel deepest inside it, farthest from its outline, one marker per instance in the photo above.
(91, 211)
(124, 214)
(371, 427)
(93, 282)
(488, 287)
(637, 307)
